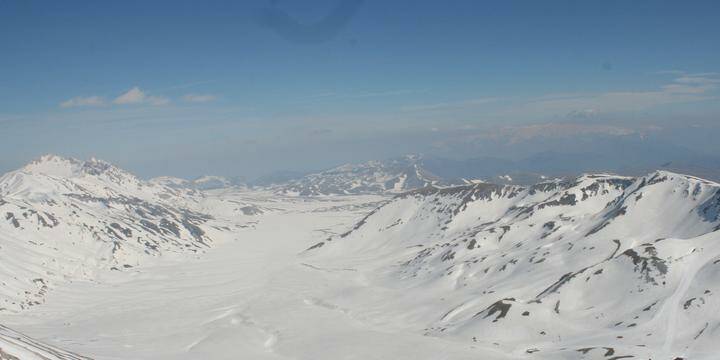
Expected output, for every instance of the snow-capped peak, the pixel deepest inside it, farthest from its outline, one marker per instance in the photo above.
(89, 215)
(67, 167)
(54, 165)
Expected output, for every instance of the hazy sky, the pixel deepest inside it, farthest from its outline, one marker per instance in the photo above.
(248, 87)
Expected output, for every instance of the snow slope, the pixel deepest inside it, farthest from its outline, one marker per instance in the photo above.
(250, 298)
(597, 267)
(63, 219)
(16, 346)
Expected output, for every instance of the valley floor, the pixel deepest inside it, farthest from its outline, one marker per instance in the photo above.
(254, 296)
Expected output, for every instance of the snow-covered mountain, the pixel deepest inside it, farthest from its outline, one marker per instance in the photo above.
(207, 182)
(596, 267)
(372, 177)
(172, 182)
(63, 219)
(599, 267)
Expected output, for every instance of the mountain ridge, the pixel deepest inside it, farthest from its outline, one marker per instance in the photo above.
(63, 218)
(583, 266)
(389, 176)
(622, 261)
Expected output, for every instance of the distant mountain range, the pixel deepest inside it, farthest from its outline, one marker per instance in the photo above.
(207, 182)
(372, 177)
(414, 171)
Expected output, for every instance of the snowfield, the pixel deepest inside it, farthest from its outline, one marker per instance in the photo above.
(14, 345)
(96, 262)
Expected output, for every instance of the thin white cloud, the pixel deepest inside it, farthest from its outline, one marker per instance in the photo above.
(706, 78)
(682, 88)
(685, 88)
(187, 85)
(670, 72)
(157, 100)
(451, 105)
(132, 96)
(135, 96)
(359, 96)
(196, 98)
(516, 134)
(80, 101)
(382, 94)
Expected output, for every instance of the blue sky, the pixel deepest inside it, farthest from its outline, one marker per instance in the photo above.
(249, 87)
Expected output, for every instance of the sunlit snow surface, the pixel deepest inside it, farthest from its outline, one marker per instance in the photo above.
(251, 297)
(599, 267)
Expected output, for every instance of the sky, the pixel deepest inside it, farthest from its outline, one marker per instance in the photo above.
(246, 88)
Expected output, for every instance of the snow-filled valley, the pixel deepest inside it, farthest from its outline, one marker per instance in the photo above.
(96, 262)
